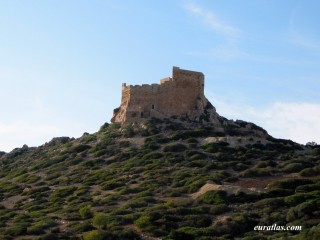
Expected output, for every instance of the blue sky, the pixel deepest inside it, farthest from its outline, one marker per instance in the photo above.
(62, 62)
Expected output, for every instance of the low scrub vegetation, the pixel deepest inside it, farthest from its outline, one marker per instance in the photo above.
(126, 183)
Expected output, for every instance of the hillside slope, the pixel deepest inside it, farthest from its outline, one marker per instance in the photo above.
(161, 180)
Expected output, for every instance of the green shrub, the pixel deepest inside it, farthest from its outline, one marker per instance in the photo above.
(100, 220)
(140, 202)
(195, 185)
(124, 144)
(16, 229)
(81, 191)
(153, 155)
(93, 235)
(44, 191)
(289, 183)
(36, 214)
(240, 167)
(292, 167)
(152, 145)
(112, 184)
(128, 131)
(302, 210)
(22, 218)
(235, 225)
(49, 236)
(296, 199)
(277, 192)
(215, 147)
(51, 176)
(126, 234)
(219, 209)
(197, 220)
(274, 202)
(80, 148)
(254, 172)
(310, 234)
(104, 127)
(196, 155)
(61, 193)
(185, 134)
(151, 128)
(175, 147)
(309, 187)
(159, 138)
(190, 233)
(192, 140)
(89, 138)
(86, 212)
(39, 227)
(143, 222)
(82, 226)
(175, 192)
(310, 172)
(115, 125)
(214, 197)
(242, 197)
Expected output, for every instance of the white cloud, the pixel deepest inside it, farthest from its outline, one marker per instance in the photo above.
(225, 51)
(296, 121)
(299, 122)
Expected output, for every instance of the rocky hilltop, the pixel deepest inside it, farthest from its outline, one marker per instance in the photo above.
(158, 175)
(180, 97)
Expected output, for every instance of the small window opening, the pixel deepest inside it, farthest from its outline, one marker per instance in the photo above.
(142, 115)
(152, 106)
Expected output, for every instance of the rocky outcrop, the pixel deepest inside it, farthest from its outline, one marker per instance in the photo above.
(58, 141)
(2, 153)
(17, 151)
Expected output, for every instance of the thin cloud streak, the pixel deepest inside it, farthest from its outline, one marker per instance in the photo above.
(296, 38)
(230, 49)
(305, 42)
(226, 51)
(212, 21)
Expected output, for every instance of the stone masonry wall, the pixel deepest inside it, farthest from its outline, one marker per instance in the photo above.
(182, 94)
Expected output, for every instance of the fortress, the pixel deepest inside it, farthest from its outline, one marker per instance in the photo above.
(179, 95)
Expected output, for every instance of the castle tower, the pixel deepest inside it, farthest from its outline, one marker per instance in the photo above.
(179, 95)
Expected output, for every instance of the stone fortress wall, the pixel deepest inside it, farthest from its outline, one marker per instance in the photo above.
(181, 94)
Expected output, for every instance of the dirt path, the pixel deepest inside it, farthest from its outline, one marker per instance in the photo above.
(10, 202)
(230, 189)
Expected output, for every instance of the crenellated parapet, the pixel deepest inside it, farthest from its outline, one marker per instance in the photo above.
(181, 94)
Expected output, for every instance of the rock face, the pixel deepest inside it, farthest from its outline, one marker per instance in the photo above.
(17, 151)
(179, 95)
